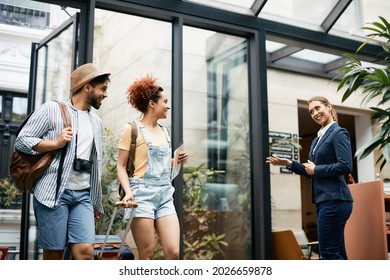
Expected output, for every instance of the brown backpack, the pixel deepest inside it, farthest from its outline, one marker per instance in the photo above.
(24, 169)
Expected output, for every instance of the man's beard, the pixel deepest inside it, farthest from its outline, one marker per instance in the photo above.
(94, 101)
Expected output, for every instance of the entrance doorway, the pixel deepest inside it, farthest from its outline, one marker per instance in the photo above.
(52, 61)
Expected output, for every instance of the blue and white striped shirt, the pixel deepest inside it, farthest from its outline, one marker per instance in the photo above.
(46, 124)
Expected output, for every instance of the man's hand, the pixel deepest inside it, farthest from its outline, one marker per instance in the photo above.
(64, 137)
(97, 214)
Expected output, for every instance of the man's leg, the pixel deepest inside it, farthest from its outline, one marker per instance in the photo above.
(52, 228)
(81, 226)
(82, 251)
(53, 254)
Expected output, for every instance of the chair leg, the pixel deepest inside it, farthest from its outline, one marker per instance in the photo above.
(3, 250)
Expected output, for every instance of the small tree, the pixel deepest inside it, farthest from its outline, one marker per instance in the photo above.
(375, 85)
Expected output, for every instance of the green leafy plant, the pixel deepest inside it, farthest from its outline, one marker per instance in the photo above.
(10, 196)
(110, 185)
(202, 239)
(195, 178)
(208, 247)
(374, 82)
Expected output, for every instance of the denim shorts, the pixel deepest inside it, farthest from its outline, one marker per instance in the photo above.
(154, 200)
(71, 222)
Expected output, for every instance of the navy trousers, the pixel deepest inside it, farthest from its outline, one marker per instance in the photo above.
(331, 219)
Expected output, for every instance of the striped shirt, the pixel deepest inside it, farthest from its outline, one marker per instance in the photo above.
(46, 124)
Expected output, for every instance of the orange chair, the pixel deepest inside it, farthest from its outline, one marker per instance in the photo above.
(3, 252)
(285, 246)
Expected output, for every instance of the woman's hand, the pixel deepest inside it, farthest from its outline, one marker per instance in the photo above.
(278, 161)
(183, 157)
(128, 201)
(309, 167)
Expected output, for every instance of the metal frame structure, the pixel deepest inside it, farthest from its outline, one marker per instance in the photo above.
(73, 21)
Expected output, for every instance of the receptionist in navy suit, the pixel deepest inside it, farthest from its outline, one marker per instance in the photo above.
(330, 159)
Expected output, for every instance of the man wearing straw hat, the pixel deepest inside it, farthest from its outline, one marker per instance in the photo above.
(66, 212)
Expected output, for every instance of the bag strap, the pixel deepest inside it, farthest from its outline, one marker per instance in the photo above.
(134, 135)
(65, 114)
(67, 123)
(130, 159)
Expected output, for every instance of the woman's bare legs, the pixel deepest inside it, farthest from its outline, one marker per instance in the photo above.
(143, 234)
(169, 232)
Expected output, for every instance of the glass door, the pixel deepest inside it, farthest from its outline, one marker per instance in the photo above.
(52, 61)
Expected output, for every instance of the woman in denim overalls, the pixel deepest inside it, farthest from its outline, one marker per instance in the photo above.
(150, 187)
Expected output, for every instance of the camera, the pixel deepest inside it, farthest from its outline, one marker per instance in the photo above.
(82, 165)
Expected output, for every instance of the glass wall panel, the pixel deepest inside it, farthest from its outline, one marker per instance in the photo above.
(54, 68)
(19, 108)
(303, 13)
(216, 135)
(129, 47)
(351, 21)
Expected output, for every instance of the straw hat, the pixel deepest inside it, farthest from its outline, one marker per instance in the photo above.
(84, 74)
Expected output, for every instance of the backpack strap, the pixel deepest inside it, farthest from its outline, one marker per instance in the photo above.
(130, 159)
(134, 135)
(65, 114)
(163, 127)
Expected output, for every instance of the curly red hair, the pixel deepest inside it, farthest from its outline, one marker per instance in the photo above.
(141, 91)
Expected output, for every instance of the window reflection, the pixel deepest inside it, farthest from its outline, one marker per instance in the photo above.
(216, 133)
(54, 68)
(139, 46)
(19, 108)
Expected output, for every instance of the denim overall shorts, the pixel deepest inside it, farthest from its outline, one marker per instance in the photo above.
(154, 192)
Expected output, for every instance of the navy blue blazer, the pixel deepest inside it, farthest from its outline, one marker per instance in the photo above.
(333, 159)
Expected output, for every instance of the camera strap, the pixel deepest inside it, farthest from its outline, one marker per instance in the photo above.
(75, 150)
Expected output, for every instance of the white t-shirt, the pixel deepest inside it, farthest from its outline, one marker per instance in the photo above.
(83, 132)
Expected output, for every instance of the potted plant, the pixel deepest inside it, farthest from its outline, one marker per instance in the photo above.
(374, 82)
